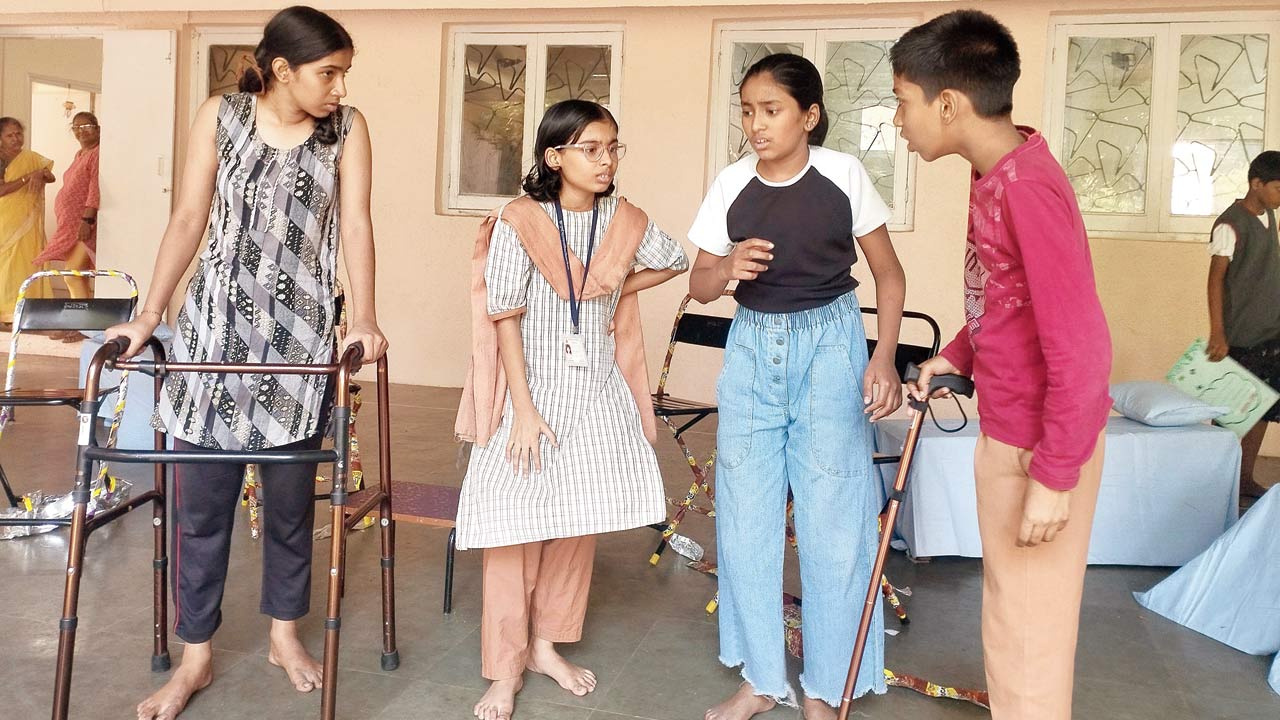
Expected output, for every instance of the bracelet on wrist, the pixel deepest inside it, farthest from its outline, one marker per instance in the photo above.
(150, 312)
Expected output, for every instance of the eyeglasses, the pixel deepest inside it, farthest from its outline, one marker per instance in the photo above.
(77, 128)
(594, 151)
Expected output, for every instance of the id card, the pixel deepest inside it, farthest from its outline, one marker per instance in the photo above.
(575, 349)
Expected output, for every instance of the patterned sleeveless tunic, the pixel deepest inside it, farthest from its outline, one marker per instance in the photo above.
(263, 290)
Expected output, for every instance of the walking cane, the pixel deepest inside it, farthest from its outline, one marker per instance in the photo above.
(956, 384)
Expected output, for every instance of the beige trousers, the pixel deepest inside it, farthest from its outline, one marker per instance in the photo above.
(532, 590)
(1030, 596)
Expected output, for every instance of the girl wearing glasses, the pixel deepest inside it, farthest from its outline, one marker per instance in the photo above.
(557, 397)
(75, 242)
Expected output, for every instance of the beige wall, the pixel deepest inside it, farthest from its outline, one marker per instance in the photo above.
(74, 60)
(1153, 291)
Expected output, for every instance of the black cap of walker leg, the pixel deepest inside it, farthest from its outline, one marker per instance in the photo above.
(391, 660)
(160, 663)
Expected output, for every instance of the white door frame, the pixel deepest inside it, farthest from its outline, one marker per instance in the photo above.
(202, 36)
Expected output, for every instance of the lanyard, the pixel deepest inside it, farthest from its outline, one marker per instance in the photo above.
(574, 303)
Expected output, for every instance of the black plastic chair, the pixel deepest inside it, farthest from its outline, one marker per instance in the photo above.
(907, 354)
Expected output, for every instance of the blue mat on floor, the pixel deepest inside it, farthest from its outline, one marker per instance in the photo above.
(1231, 591)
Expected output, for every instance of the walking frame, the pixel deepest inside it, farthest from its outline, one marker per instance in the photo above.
(343, 517)
(955, 384)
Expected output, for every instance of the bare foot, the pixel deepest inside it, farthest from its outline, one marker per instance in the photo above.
(544, 660)
(817, 710)
(193, 675)
(287, 652)
(1250, 488)
(742, 705)
(499, 701)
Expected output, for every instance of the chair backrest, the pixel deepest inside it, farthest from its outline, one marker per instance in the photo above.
(909, 353)
(67, 314)
(706, 330)
(713, 331)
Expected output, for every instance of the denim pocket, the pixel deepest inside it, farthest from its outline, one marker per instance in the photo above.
(735, 395)
(835, 407)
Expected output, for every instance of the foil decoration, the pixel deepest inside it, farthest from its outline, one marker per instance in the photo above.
(38, 506)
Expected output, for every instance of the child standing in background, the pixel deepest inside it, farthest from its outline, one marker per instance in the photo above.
(1244, 294)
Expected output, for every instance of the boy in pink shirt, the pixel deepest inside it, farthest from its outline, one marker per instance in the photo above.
(1036, 344)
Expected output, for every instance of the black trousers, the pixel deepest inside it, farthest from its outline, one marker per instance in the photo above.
(205, 501)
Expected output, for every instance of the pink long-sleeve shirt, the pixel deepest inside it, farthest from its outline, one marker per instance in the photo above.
(1035, 339)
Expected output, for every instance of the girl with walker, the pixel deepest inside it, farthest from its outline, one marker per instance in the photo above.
(285, 168)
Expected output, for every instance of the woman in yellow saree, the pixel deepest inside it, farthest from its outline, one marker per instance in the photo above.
(25, 175)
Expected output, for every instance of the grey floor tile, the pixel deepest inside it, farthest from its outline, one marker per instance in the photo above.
(900, 703)
(1213, 707)
(1121, 700)
(674, 675)
(426, 699)
(602, 715)
(1206, 669)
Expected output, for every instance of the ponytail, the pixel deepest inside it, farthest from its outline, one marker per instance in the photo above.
(253, 79)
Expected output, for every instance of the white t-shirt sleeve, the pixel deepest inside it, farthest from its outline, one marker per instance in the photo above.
(710, 231)
(1223, 241)
(869, 209)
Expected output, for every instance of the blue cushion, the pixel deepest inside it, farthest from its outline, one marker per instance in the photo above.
(1161, 404)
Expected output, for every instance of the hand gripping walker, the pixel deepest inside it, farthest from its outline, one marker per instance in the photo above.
(956, 384)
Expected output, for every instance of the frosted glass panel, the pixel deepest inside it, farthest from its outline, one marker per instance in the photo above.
(1108, 122)
(578, 72)
(493, 120)
(858, 94)
(1222, 88)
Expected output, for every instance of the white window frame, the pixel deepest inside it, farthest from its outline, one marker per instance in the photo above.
(1157, 222)
(536, 39)
(202, 38)
(813, 36)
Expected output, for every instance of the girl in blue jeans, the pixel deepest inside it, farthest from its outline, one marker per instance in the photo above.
(797, 390)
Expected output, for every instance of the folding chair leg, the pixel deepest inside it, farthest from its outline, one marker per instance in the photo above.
(8, 489)
(160, 572)
(676, 520)
(450, 545)
(891, 594)
(699, 485)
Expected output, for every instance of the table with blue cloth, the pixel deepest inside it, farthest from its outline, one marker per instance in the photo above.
(1166, 495)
